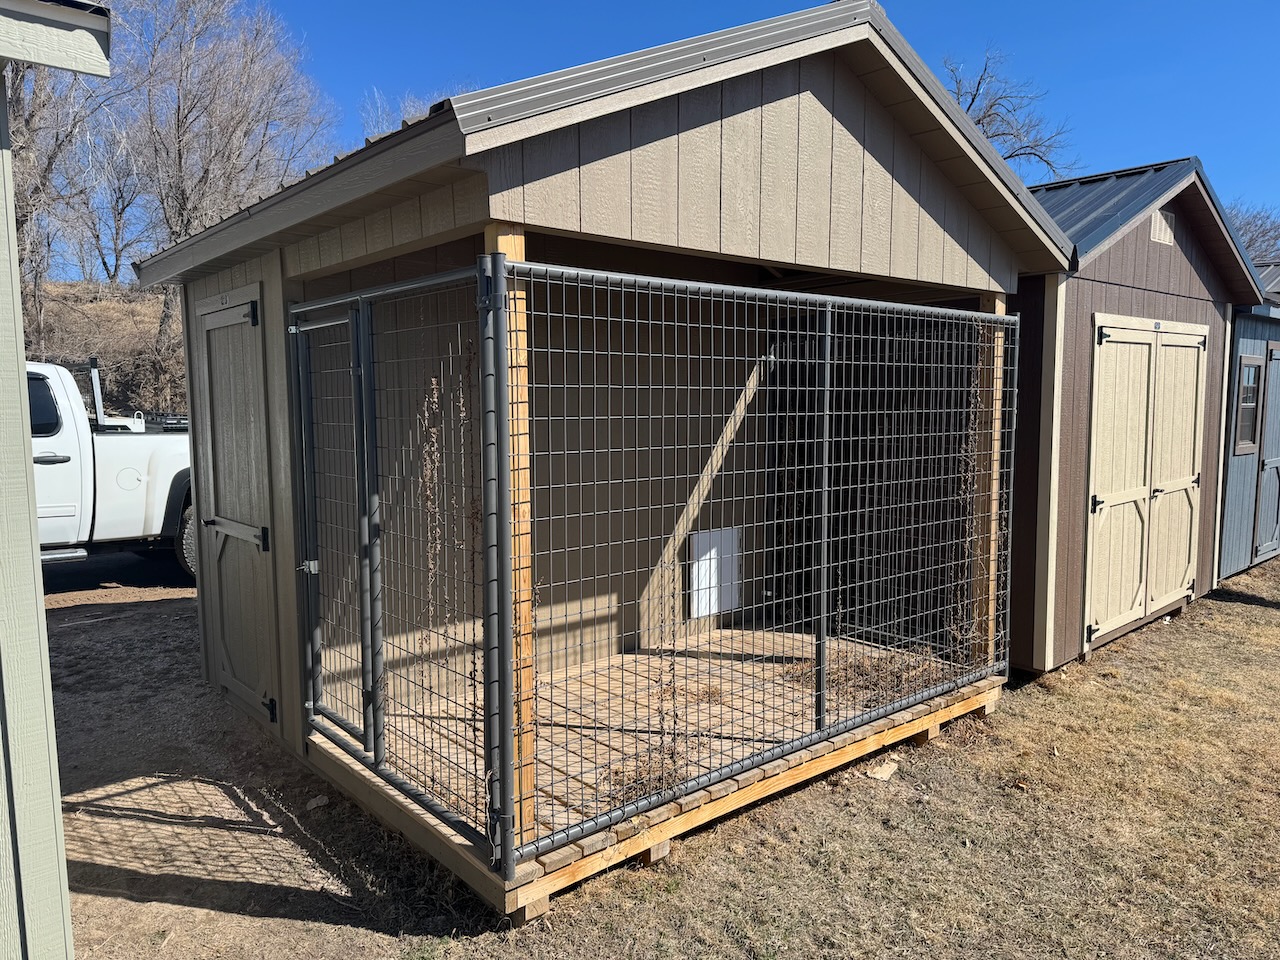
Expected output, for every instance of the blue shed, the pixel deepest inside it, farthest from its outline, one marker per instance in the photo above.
(1251, 482)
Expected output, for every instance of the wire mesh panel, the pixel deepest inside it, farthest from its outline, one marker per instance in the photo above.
(426, 385)
(335, 514)
(587, 542)
(742, 520)
(390, 455)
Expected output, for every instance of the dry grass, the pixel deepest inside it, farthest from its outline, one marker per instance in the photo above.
(1127, 808)
(871, 677)
(120, 327)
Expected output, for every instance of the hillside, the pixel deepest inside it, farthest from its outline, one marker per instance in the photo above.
(121, 327)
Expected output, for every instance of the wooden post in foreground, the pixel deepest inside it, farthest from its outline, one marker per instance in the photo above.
(986, 507)
(508, 239)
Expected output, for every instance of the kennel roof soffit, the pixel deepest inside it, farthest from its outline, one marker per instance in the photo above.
(472, 123)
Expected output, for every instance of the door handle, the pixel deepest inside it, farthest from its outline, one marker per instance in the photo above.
(48, 459)
(1156, 491)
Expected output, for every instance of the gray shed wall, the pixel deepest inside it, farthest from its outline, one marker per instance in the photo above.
(1240, 475)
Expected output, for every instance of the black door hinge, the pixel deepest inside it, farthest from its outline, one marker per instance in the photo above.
(1103, 334)
(1095, 503)
(270, 706)
(253, 313)
(264, 539)
(1196, 481)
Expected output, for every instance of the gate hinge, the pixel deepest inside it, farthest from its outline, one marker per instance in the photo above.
(264, 539)
(1191, 590)
(1196, 481)
(294, 328)
(1103, 334)
(485, 301)
(253, 313)
(271, 708)
(1095, 503)
(310, 566)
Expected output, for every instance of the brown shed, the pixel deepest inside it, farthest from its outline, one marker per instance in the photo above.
(1119, 437)
(608, 450)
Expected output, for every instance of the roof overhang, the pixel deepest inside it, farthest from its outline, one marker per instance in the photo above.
(66, 35)
(473, 123)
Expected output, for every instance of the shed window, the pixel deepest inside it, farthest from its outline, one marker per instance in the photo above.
(45, 421)
(1247, 405)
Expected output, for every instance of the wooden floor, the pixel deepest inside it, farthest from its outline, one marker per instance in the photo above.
(647, 835)
(619, 729)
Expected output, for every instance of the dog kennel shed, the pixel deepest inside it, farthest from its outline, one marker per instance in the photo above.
(1119, 447)
(1251, 448)
(608, 450)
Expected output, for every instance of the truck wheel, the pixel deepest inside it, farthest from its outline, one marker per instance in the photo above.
(184, 545)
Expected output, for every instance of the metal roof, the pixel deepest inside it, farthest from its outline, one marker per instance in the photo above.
(1095, 210)
(524, 98)
(1269, 274)
(1091, 210)
(484, 110)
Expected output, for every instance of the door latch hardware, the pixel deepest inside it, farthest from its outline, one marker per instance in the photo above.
(1156, 491)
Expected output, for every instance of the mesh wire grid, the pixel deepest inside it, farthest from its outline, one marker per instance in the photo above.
(741, 519)
(751, 516)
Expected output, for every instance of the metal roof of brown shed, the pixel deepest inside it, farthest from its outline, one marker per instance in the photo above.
(1098, 209)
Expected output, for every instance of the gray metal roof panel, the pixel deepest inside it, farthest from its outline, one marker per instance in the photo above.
(1092, 210)
(519, 99)
(1269, 274)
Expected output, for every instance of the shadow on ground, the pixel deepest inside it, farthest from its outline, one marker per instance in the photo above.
(170, 797)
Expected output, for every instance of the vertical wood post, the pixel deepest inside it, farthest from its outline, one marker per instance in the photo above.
(986, 507)
(508, 239)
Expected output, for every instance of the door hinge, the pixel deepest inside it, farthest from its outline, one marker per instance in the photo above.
(253, 313)
(1196, 481)
(270, 706)
(1103, 334)
(310, 566)
(1095, 502)
(264, 539)
(294, 328)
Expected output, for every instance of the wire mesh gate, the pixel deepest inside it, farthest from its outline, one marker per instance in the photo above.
(579, 543)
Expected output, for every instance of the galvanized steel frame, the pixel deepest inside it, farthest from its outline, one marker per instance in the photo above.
(493, 276)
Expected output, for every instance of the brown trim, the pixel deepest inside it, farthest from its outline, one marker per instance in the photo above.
(1239, 447)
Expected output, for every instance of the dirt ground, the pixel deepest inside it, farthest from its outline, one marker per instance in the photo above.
(1128, 807)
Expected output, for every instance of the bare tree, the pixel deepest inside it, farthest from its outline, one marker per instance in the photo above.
(1008, 112)
(48, 111)
(1258, 227)
(224, 116)
(379, 114)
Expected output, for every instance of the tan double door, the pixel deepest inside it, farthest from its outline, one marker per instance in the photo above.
(1144, 469)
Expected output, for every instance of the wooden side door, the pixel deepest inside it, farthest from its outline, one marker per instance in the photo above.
(1116, 571)
(1266, 536)
(1177, 431)
(232, 495)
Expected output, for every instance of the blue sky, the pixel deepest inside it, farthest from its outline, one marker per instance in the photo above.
(1137, 81)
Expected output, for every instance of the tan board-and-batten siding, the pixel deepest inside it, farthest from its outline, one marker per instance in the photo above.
(798, 163)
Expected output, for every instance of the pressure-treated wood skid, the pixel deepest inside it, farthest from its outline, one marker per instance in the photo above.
(649, 835)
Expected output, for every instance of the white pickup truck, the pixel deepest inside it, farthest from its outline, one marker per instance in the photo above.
(106, 484)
